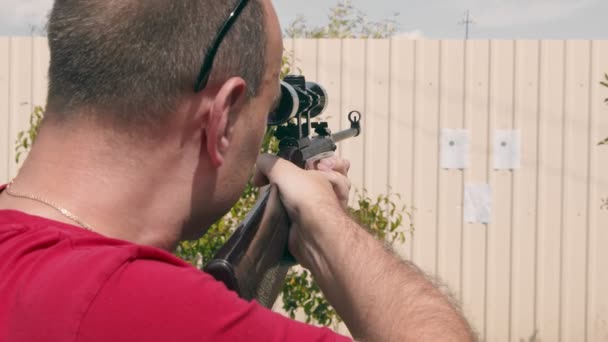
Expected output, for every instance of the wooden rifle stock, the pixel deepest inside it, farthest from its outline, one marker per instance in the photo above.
(254, 261)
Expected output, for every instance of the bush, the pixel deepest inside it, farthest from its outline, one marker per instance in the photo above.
(25, 139)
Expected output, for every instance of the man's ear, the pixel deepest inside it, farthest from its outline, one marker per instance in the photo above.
(229, 100)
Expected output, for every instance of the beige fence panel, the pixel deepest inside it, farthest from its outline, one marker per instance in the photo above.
(597, 182)
(402, 123)
(5, 131)
(537, 272)
(575, 199)
(525, 191)
(351, 96)
(550, 189)
(500, 114)
(451, 182)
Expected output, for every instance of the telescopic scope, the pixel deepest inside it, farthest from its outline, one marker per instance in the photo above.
(298, 97)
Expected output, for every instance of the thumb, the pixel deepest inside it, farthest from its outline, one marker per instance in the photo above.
(275, 170)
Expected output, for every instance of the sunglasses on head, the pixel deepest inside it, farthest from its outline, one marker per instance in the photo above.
(203, 76)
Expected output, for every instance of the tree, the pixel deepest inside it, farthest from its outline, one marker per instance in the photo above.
(344, 21)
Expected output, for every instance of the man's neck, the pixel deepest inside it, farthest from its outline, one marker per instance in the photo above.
(138, 196)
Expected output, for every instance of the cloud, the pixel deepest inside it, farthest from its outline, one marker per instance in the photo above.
(18, 16)
(504, 13)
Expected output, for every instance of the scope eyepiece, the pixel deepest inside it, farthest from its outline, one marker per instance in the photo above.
(298, 97)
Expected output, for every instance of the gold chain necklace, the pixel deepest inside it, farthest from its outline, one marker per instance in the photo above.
(60, 209)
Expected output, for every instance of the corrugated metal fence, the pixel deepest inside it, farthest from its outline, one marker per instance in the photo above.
(539, 270)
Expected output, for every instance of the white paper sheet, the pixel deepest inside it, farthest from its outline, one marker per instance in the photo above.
(455, 144)
(507, 150)
(477, 203)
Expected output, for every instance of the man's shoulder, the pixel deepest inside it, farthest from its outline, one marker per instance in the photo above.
(31, 237)
(54, 270)
(36, 251)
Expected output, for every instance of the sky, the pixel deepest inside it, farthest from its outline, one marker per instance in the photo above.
(433, 19)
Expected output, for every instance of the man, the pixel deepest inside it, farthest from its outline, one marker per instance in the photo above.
(137, 153)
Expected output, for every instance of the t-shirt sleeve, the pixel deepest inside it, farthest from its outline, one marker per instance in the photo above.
(151, 301)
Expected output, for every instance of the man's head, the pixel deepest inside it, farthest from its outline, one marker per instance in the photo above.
(132, 61)
(132, 65)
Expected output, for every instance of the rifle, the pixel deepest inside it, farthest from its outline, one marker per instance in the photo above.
(255, 260)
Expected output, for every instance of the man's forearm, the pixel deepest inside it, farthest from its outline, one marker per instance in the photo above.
(379, 296)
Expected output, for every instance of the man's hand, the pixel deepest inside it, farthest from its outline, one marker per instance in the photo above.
(336, 170)
(315, 200)
(306, 189)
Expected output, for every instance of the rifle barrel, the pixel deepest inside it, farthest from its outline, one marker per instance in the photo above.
(345, 134)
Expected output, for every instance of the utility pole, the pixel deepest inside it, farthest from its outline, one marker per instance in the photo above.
(467, 22)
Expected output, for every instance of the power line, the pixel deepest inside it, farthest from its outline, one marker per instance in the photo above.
(467, 22)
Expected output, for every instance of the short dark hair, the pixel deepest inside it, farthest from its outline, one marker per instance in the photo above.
(135, 59)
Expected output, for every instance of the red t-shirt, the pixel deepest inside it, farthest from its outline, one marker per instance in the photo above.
(62, 283)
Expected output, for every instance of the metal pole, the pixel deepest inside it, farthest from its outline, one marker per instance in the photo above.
(467, 21)
(466, 37)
